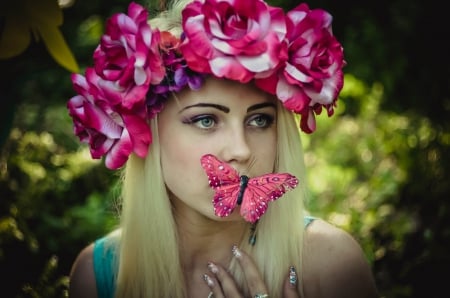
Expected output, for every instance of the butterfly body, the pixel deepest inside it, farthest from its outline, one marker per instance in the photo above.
(243, 182)
(251, 194)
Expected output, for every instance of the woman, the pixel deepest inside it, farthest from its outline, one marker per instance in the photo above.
(199, 107)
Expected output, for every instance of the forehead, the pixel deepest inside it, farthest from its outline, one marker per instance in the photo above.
(225, 92)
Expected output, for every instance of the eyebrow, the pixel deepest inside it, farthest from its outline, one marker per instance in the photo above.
(210, 105)
(261, 105)
(227, 110)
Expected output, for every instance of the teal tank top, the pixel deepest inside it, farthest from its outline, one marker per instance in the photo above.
(105, 271)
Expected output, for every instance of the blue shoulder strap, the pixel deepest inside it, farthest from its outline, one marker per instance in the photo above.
(103, 267)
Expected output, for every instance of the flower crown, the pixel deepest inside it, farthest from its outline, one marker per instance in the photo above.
(293, 56)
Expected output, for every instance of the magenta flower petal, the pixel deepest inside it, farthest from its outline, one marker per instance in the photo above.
(308, 122)
(140, 134)
(119, 153)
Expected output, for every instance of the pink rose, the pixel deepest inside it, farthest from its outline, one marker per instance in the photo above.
(233, 39)
(128, 56)
(312, 76)
(110, 130)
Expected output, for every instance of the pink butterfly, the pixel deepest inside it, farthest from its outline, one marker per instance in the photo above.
(252, 194)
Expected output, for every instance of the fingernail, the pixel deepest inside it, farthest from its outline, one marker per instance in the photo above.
(236, 252)
(213, 268)
(292, 276)
(208, 280)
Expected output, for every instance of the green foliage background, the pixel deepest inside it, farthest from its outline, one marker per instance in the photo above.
(379, 168)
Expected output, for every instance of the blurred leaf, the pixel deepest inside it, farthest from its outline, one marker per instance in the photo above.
(40, 18)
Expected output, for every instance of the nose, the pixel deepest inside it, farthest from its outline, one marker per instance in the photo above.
(236, 147)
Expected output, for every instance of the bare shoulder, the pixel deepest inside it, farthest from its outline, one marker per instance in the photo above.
(335, 264)
(82, 277)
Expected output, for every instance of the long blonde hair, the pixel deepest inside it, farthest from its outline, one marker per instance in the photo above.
(149, 263)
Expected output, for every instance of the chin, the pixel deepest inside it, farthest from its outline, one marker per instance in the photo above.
(235, 216)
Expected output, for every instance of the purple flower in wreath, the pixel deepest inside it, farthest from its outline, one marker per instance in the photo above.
(177, 76)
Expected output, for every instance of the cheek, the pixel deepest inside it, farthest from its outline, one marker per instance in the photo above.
(178, 175)
(181, 168)
(264, 149)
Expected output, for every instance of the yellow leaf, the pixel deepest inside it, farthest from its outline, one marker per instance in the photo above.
(57, 47)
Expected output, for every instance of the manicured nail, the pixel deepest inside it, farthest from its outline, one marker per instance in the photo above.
(292, 276)
(208, 280)
(213, 268)
(236, 252)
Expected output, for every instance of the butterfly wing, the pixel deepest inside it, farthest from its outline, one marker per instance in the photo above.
(224, 179)
(263, 189)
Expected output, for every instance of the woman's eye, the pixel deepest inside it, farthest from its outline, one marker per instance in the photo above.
(203, 122)
(261, 121)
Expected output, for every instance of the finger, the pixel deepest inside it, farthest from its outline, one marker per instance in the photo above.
(253, 277)
(291, 288)
(214, 286)
(228, 287)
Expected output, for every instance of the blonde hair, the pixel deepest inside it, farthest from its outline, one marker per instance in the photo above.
(280, 231)
(150, 267)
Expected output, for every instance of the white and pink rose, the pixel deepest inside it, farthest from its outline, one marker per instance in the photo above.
(110, 129)
(110, 110)
(233, 39)
(312, 76)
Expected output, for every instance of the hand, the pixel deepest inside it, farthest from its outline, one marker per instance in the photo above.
(223, 285)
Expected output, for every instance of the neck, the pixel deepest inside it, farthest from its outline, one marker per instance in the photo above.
(203, 240)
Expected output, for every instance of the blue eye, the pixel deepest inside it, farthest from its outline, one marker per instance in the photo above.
(261, 121)
(205, 122)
